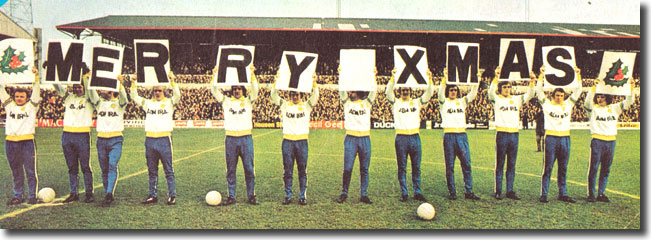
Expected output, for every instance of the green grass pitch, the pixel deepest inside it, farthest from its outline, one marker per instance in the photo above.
(200, 167)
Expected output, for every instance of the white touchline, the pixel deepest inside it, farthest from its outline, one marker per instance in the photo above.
(482, 168)
(55, 202)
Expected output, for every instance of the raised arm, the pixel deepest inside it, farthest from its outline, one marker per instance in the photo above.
(139, 101)
(371, 96)
(122, 97)
(315, 93)
(630, 98)
(254, 86)
(389, 91)
(429, 90)
(588, 98)
(36, 88)
(219, 96)
(494, 83)
(577, 91)
(343, 96)
(528, 95)
(441, 92)
(472, 94)
(214, 90)
(61, 90)
(539, 91)
(275, 98)
(4, 96)
(176, 92)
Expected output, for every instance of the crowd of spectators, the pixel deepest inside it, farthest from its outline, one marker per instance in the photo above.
(197, 103)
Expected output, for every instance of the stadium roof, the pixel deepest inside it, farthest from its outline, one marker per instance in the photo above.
(10, 29)
(112, 22)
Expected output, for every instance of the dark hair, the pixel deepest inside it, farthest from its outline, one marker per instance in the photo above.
(447, 90)
(558, 90)
(362, 94)
(243, 90)
(609, 98)
(22, 90)
(500, 85)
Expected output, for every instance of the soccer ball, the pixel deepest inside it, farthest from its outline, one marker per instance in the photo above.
(46, 195)
(426, 211)
(213, 198)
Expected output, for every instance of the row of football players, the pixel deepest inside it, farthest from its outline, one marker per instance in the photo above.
(110, 106)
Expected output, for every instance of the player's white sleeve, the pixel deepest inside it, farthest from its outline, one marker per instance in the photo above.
(275, 99)
(254, 88)
(343, 96)
(539, 92)
(137, 99)
(389, 91)
(492, 89)
(315, 96)
(4, 96)
(122, 97)
(472, 94)
(588, 100)
(428, 94)
(628, 101)
(61, 90)
(577, 92)
(36, 93)
(528, 95)
(219, 96)
(176, 94)
(441, 93)
(371, 96)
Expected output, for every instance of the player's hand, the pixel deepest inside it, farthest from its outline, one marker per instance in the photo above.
(532, 76)
(498, 71)
(35, 71)
(542, 70)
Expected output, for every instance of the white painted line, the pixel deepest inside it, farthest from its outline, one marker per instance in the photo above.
(56, 201)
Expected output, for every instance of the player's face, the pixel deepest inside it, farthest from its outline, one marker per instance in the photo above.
(237, 91)
(295, 97)
(404, 93)
(20, 98)
(353, 95)
(559, 97)
(453, 93)
(105, 94)
(78, 90)
(159, 92)
(601, 100)
(506, 90)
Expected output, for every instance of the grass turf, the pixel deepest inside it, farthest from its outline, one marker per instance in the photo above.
(200, 167)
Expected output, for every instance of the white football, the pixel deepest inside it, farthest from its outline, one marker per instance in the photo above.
(46, 195)
(426, 211)
(213, 198)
